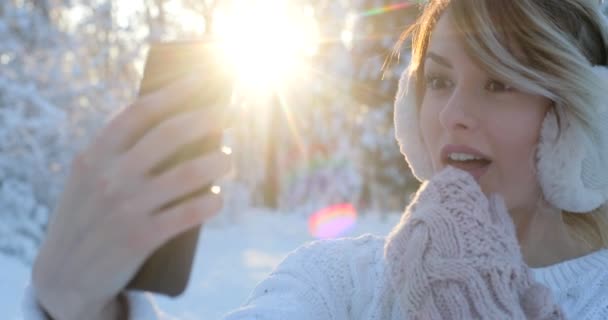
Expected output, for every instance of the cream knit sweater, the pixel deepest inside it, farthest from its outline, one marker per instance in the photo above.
(454, 255)
(348, 279)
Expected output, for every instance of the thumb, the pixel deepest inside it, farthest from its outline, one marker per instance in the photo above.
(499, 214)
(505, 231)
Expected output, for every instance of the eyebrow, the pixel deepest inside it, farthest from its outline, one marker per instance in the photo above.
(439, 59)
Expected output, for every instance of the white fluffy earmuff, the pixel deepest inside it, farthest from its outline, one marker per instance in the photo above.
(407, 128)
(572, 169)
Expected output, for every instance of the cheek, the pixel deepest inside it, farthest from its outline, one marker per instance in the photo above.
(515, 143)
(515, 159)
(515, 135)
(515, 140)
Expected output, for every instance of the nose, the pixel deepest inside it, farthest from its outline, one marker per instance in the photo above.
(459, 111)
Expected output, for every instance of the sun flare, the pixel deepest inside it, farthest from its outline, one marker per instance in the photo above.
(267, 41)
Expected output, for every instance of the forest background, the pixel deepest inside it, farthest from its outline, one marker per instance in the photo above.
(323, 137)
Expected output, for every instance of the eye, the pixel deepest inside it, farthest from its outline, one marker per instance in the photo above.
(437, 82)
(497, 86)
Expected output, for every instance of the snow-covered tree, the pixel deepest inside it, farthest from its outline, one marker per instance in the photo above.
(66, 66)
(376, 31)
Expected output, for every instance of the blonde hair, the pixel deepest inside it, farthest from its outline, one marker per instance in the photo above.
(544, 47)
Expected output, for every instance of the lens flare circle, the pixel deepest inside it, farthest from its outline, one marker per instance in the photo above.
(333, 221)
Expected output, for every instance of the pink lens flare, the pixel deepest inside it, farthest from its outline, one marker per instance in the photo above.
(391, 7)
(333, 221)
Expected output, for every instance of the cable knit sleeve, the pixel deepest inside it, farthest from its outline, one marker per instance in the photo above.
(455, 255)
(141, 307)
(324, 280)
(293, 290)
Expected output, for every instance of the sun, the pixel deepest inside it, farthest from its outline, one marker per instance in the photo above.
(266, 42)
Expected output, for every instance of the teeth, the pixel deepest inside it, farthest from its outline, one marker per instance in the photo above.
(463, 157)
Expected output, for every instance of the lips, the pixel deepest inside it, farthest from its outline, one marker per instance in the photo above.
(469, 164)
(476, 168)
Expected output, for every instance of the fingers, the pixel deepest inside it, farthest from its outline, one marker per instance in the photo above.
(457, 191)
(499, 213)
(498, 209)
(181, 181)
(165, 139)
(130, 123)
(454, 186)
(500, 216)
(175, 220)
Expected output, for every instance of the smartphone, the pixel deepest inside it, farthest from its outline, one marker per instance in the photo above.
(168, 269)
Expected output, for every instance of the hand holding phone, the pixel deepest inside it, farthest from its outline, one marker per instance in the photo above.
(129, 193)
(168, 269)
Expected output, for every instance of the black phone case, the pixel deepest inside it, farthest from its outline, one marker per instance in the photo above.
(168, 269)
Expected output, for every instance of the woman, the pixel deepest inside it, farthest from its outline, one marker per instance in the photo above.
(501, 114)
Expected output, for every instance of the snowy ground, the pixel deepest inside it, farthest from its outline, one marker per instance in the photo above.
(231, 259)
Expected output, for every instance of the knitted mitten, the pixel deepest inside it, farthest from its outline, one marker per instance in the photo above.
(455, 255)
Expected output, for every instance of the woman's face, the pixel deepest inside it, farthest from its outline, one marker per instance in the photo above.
(464, 106)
